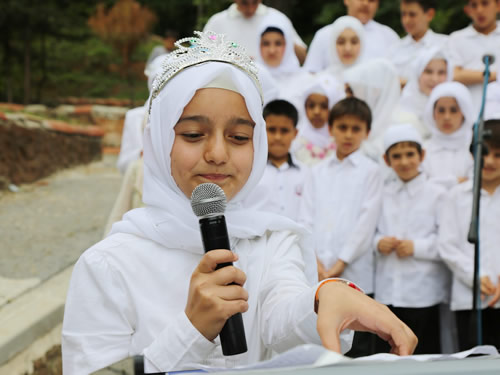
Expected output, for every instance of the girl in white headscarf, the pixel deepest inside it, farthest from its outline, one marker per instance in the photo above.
(149, 289)
(377, 83)
(429, 70)
(276, 52)
(344, 45)
(314, 142)
(450, 115)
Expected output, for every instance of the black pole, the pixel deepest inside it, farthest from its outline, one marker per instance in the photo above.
(473, 237)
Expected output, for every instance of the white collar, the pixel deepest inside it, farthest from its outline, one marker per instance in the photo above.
(425, 40)
(412, 186)
(233, 11)
(470, 31)
(354, 158)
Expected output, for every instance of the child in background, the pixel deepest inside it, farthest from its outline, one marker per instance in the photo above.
(377, 83)
(429, 70)
(416, 15)
(346, 43)
(410, 277)
(281, 187)
(276, 53)
(458, 253)
(449, 114)
(314, 142)
(468, 46)
(150, 289)
(341, 205)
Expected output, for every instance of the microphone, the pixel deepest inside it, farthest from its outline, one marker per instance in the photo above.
(208, 202)
(490, 58)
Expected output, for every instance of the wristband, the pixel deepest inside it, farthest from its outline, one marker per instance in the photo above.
(343, 281)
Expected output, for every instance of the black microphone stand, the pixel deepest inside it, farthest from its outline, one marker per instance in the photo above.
(473, 237)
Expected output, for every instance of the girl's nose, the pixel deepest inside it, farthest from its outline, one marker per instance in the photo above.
(216, 150)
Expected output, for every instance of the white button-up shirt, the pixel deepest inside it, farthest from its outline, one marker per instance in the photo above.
(379, 39)
(458, 253)
(404, 53)
(467, 48)
(246, 30)
(281, 189)
(410, 212)
(341, 206)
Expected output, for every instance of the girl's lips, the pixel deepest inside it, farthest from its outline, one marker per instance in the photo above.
(214, 177)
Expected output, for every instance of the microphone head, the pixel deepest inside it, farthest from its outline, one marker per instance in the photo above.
(208, 199)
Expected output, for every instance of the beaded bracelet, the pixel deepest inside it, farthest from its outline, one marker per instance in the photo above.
(343, 281)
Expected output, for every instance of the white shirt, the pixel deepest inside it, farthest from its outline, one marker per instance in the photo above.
(467, 48)
(128, 294)
(410, 212)
(404, 53)
(245, 30)
(458, 253)
(341, 206)
(281, 189)
(131, 144)
(379, 40)
(444, 165)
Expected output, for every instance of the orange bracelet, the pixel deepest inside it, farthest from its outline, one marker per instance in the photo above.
(347, 282)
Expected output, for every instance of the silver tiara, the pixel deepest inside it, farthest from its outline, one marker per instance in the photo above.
(208, 46)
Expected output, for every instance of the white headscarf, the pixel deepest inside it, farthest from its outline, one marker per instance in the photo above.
(412, 98)
(168, 218)
(462, 137)
(290, 64)
(323, 84)
(337, 67)
(377, 83)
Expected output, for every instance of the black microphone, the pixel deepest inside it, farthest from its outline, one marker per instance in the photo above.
(490, 58)
(209, 203)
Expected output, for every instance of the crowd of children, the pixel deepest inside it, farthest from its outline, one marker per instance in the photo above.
(369, 149)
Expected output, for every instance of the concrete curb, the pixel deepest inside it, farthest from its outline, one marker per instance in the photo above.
(32, 315)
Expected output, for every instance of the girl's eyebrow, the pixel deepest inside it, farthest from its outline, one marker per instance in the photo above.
(205, 120)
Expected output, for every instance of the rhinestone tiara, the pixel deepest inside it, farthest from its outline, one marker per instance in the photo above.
(208, 46)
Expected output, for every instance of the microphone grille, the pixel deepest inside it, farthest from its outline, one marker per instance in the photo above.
(208, 198)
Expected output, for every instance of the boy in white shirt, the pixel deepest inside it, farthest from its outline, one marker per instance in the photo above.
(341, 204)
(458, 253)
(468, 46)
(416, 15)
(281, 187)
(410, 278)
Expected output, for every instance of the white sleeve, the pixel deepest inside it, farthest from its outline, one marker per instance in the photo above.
(360, 239)
(99, 323)
(317, 55)
(287, 302)
(451, 242)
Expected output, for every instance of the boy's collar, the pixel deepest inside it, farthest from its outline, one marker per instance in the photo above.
(471, 30)
(411, 186)
(354, 157)
(289, 161)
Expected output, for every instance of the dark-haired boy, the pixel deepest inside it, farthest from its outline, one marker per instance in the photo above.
(458, 253)
(468, 46)
(410, 278)
(281, 187)
(341, 204)
(416, 15)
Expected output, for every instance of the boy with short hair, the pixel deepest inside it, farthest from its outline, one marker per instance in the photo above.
(416, 15)
(342, 199)
(458, 253)
(468, 46)
(410, 278)
(341, 205)
(280, 189)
